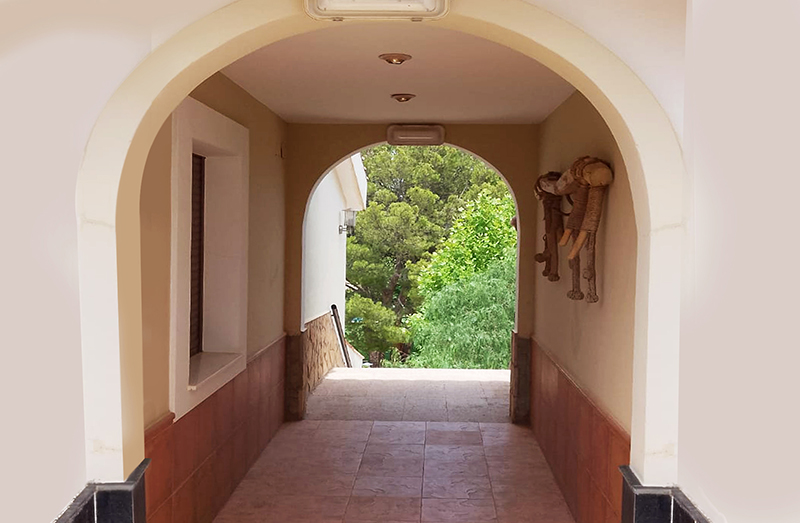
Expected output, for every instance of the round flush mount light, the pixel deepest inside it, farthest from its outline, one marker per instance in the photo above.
(403, 97)
(395, 58)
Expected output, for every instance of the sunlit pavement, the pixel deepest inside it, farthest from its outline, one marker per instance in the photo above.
(412, 395)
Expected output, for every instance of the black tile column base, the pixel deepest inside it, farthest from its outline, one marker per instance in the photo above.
(110, 502)
(641, 504)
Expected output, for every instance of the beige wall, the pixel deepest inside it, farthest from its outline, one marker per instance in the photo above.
(594, 342)
(155, 231)
(266, 235)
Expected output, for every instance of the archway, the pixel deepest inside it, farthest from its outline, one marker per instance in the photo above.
(116, 152)
(323, 262)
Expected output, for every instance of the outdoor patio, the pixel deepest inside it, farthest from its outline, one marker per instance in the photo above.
(412, 395)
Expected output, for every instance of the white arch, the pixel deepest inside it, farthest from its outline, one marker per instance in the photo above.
(108, 199)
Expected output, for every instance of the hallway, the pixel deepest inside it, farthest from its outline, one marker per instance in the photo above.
(327, 471)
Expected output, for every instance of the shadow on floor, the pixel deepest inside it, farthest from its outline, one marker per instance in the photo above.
(363, 471)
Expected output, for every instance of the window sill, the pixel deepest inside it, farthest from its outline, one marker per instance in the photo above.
(206, 365)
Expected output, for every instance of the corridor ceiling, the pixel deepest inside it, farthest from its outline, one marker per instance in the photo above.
(334, 76)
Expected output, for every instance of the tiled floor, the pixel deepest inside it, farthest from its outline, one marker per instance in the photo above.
(324, 471)
(411, 395)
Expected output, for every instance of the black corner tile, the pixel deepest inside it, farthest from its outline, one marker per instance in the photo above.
(685, 509)
(679, 514)
(81, 510)
(114, 505)
(653, 508)
(628, 501)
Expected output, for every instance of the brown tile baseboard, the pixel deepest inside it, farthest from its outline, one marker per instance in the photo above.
(583, 445)
(198, 460)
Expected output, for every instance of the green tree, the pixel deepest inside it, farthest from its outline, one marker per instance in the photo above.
(414, 194)
(467, 324)
(480, 236)
(371, 326)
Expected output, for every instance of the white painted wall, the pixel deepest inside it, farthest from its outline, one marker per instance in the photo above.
(740, 351)
(324, 248)
(648, 36)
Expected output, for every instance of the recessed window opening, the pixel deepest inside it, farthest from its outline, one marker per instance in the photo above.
(208, 273)
(197, 254)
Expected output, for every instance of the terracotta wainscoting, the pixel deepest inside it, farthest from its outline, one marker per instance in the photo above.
(198, 460)
(584, 446)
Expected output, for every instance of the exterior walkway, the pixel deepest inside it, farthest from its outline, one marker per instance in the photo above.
(362, 471)
(412, 395)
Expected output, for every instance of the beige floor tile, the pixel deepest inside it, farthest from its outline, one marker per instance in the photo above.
(381, 508)
(382, 466)
(436, 468)
(457, 510)
(463, 426)
(461, 487)
(403, 487)
(455, 452)
(391, 435)
(395, 451)
(453, 437)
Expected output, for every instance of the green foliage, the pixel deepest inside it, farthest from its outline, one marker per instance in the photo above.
(371, 326)
(435, 213)
(480, 236)
(414, 194)
(467, 324)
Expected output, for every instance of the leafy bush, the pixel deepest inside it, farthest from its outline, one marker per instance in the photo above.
(370, 326)
(481, 235)
(467, 324)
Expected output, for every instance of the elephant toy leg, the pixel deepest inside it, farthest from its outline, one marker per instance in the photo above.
(589, 272)
(575, 264)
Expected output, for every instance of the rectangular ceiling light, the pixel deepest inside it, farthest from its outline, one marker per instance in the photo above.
(415, 135)
(377, 9)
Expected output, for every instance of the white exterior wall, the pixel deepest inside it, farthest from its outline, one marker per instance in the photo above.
(740, 350)
(324, 248)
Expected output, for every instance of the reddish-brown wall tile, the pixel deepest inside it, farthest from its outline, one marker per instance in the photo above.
(240, 398)
(185, 448)
(162, 515)
(183, 503)
(583, 445)
(198, 460)
(158, 477)
(619, 454)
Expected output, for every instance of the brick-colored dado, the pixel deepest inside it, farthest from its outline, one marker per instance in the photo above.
(198, 460)
(582, 444)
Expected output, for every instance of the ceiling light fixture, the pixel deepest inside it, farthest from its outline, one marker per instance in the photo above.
(403, 97)
(338, 10)
(395, 58)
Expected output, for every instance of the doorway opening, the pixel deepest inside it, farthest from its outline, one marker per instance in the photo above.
(429, 283)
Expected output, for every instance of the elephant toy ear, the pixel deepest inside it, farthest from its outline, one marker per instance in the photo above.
(597, 174)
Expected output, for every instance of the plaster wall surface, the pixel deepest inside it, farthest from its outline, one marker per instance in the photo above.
(592, 341)
(266, 231)
(325, 251)
(739, 423)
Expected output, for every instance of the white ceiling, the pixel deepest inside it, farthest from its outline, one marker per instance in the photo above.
(334, 76)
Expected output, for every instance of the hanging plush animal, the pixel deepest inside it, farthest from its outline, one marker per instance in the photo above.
(553, 226)
(587, 181)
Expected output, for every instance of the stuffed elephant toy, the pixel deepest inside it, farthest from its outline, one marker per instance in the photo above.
(585, 182)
